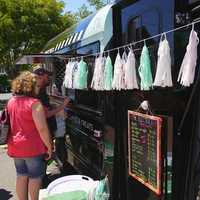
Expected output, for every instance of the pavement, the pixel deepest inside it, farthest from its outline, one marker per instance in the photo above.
(7, 170)
(7, 176)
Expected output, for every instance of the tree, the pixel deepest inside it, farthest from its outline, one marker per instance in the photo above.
(97, 3)
(84, 11)
(26, 26)
(4, 83)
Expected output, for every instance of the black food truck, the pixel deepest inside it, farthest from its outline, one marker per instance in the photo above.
(98, 138)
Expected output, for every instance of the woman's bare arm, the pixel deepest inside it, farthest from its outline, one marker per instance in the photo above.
(56, 110)
(40, 122)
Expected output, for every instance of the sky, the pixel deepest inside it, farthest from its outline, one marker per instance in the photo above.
(73, 5)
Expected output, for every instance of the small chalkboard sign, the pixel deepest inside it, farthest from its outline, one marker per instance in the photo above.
(144, 145)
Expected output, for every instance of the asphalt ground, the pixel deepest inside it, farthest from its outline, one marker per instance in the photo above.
(7, 176)
(7, 169)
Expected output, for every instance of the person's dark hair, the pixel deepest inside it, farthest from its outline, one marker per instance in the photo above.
(24, 84)
(38, 70)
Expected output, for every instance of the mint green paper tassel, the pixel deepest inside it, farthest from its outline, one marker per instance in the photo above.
(102, 191)
(108, 74)
(145, 70)
(81, 76)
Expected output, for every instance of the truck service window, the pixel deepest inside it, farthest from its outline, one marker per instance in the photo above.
(143, 26)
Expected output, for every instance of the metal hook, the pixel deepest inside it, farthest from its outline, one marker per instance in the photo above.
(124, 49)
(193, 26)
(108, 53)
(118, 50)
(163, 37)
(131, 47)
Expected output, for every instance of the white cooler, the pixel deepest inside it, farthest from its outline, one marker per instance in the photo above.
(69, 184)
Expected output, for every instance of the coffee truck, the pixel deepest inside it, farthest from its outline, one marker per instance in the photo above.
(98, 138)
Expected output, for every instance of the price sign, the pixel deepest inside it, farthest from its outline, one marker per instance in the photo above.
(144, 145)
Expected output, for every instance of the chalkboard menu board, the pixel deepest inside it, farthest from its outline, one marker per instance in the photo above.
(144, 143)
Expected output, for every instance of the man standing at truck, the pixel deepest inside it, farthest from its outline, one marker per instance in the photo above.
(43, 82)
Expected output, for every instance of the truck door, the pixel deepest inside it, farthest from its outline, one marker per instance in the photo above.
(139, 20)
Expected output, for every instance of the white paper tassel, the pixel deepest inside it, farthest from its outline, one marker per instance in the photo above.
(124, 60)
(73, 73)
(68, 79)
(130, 72)
(163, 76)
(118, 73)
(97, 80)
(187, 70)
(65, 81)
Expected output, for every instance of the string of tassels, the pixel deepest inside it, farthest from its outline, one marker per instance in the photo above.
(124, 74)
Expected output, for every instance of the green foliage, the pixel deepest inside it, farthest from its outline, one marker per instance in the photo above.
(83, 12)
(97, 3)
(26, 26)
(25, 68)
(4, 83)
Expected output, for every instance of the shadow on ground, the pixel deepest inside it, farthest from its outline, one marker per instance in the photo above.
(5, 195)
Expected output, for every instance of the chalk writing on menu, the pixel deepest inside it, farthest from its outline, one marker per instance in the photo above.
(144, 141)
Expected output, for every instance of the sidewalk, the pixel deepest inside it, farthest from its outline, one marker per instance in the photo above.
(7, 176)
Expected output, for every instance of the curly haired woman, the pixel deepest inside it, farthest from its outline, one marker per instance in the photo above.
(29, 142)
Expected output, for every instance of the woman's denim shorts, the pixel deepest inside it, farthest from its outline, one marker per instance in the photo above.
(33, 167)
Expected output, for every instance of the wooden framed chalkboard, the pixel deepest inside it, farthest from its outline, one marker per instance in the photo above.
(144, 149)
